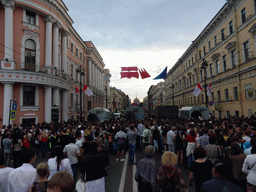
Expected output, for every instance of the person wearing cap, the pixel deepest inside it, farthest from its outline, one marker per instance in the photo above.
(219, 181)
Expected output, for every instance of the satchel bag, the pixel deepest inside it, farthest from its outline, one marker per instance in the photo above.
(80, 186)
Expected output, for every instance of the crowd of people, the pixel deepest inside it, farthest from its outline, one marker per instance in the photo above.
(218, 151)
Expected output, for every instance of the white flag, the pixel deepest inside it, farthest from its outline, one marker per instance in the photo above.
(76, 93)
(87, 91)
(198, 90)
(209, 89)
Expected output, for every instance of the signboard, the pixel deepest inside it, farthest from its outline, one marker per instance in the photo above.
(13, 115)
(210, 103)
(250, 93)
(14, 106)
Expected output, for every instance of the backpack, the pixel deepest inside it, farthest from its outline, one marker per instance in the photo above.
(169, 184)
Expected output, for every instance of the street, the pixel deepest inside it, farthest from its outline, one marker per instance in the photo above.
(121, 174)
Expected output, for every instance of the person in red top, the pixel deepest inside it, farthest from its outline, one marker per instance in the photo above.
(26, 141)
(44, 139)
(191, 139)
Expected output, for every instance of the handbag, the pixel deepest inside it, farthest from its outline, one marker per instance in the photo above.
(80, 186)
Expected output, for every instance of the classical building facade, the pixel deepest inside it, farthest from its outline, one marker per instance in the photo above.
(119, 100)
(156, 96)
(42, 60)
(224, 55)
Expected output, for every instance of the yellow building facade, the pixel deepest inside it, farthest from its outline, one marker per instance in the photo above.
(226, 47)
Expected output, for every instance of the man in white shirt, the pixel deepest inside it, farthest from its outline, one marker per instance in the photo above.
(73, 152)
(140, 129)
(121, 138)
(4, 174)
(22, 178)
(170, 142)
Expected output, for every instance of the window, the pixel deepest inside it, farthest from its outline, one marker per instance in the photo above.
(218, 95)
(81, 56)
(237, 114)
(202, 98)
(30, 55)
(222, 35)
(201, 75)
(228, 114)
(67, 43)
(231, 30)
(204, 50)
(76, 52)
(226, 95)
(28, 95)
(190, 82)
(72, 100)
(224, 59)
(188, 63)
(72, 47)
(212, 96)
(193, 79)
(209, 45)
(200, 54)
(72, 71)
(186, 66)
(211, 69)
(30, 17)
(192, 60)
(220, 114)
(233, 58)
(215, 40)
(235, 94)
(243, 15)
(246, 51)
(217, 63)
(194, 99)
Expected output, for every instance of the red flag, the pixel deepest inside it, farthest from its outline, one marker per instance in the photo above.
(129, 75)
(142, 74)
(146, 73)
(209, 89)
(76, 93)
(87, 91)
(198, 90)
(129, 68)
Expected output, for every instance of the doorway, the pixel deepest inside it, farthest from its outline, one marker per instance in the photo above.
(28, 122)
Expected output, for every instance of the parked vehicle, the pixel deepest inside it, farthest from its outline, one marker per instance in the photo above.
(194, 112)
(98, 114)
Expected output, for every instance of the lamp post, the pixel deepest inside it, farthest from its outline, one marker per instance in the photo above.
(172, 94)
(79, 70)
(204, 67)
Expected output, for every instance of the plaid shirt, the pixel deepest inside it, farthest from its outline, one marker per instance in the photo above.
(203, 140)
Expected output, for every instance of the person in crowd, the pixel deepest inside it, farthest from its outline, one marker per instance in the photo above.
(105, 147)
(246, 135)
(26, 140)
(146, 172)
(58, 162)
(40, 185)
(170, 138)
(156, 137)
(227, 160)
(249, 167)
(219, 181)
(53, 140)
(203, 140)
(4, 174)
(164, 136)
(140, 127)
(114, 140)
(17, 149)
(213, 151)
(191, 139)
(72, 151)
(146, 137)
(121, 142)
(37, 140)
(61, 182)
(7, 145)
(237, 156)
(44, 139)
(21, 178)
(1, 143)
(131, 137)
(93, 169)
(180, 145)
(200, 169)
(252, 142)
(169, 178)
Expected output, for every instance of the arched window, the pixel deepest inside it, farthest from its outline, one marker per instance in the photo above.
(30, 55)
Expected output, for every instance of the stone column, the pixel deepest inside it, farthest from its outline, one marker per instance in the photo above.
(8, 27)
(64, 66)
(56, 96)
(8, 95)
(48, 104)
(90, 73)
(64, 106)
(55, 57)
(48, 41)
(93, 74)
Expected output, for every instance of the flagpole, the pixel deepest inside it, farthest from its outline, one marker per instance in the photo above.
(81, 99)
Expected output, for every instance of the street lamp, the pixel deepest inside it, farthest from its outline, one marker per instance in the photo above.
(80, 70)
(172, 94)
(204, 66)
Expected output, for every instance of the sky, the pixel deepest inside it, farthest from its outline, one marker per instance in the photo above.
(149, 34)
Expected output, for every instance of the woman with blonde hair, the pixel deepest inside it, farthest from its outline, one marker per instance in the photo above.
(169, 178)
(44, 139)
(42, 170)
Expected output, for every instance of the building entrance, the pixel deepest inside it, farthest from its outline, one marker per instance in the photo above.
(28, 121)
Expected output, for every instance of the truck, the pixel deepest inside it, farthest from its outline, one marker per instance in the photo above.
(133, 113)
(194, 112)
(167, 111)
(98, 114)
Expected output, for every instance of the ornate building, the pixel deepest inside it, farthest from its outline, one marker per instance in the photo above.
(119, 100)
(224, 55)
(43, 59)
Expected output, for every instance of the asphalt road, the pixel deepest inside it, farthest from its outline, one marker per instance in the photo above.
(121, 174)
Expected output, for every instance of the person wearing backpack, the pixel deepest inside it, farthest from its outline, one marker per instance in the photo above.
(146, 135)
(169, 178)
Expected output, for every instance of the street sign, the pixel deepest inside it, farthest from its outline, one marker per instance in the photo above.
(14, 106)
(210, 103)
(13, 115)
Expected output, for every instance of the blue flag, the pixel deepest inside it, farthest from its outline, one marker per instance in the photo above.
(162, 75)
